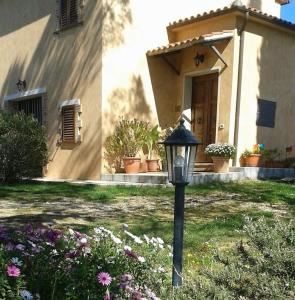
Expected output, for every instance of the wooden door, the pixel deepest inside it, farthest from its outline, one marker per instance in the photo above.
(204, 111)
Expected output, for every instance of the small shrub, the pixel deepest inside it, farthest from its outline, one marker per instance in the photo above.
(23, 147)
(262, 267)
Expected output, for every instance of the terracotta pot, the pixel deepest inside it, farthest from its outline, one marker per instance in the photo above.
(221, 164)
(152, 165)
(274, 164)
(242, 162)
(131, 165)
(143, 167)
(254, 160)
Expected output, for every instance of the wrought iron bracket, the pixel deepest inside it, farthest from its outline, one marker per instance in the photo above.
(170, 64)
(216, 51)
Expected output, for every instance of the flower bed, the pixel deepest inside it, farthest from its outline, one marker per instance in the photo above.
(52, 264)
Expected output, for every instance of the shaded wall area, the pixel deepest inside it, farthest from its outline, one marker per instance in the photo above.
(68, 65)
(269, 75)
(276, 67)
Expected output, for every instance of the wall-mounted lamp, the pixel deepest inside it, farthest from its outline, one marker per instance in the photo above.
(21, 85)
(199, 59)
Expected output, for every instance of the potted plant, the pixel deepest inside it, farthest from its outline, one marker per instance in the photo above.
(270, 157)
(161, 149)
(132, 141)
(253, 158)
(124, 145)
(151, 139)
(221, 154)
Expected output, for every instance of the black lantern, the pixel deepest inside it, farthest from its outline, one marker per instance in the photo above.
(21, 85)
(199, 59)
(181, 149)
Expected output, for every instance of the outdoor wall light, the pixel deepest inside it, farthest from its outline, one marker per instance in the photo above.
(21, 85)
(181, 149)
(199, 59)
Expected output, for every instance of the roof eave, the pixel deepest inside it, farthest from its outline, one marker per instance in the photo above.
(228, 10)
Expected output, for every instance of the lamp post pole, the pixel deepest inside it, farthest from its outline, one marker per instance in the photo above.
(181, 148)
(178, 235)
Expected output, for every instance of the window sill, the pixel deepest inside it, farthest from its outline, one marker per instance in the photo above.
(70, 26)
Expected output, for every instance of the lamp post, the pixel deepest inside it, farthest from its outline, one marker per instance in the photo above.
(181, 149)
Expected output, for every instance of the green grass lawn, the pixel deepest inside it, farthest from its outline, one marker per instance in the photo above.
(213, 213)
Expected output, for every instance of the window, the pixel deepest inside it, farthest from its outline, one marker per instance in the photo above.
(71, 123)
(266, 113)
(70, 13)
(32, 106)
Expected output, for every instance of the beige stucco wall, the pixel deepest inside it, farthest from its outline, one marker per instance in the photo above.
(268, 74)
(128, 86)
(66, 64)
(109, 73)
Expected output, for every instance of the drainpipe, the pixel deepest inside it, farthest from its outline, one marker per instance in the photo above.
(241, 33)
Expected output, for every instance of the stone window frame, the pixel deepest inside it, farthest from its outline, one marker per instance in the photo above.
(11, 99)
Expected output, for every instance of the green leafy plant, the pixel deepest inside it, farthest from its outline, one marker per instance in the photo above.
(23, 147)
(113, 153)
(151, 139)
(221, 150)
(262, 266)
(127, 140)
(246, 153)
(162, 137)
(131, 135)
(270, 154)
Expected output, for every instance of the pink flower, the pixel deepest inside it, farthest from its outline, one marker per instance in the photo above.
(104, 278)
(13, 271)
(130, 253)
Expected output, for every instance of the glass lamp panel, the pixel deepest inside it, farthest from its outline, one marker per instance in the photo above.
(179, 164)
(169, 158)
(191, 162)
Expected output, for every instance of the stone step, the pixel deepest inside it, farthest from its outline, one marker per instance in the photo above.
(203, 167)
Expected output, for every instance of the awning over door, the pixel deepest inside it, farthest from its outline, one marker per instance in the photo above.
(203, 39)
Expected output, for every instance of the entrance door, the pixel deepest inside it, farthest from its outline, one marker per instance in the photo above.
(204, 111)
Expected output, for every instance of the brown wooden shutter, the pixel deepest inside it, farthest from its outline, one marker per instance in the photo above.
(69, 13)
(69, 124)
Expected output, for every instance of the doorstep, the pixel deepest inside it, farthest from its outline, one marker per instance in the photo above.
(235, 174)
(161, 178)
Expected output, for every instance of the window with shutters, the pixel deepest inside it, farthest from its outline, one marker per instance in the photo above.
(70, 13)
(266, 113)
(71, 123)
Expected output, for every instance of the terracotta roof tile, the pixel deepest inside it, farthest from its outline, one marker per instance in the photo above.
(234, 7)
(189, 42)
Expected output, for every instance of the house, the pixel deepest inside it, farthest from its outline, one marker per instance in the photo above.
(78, 65)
